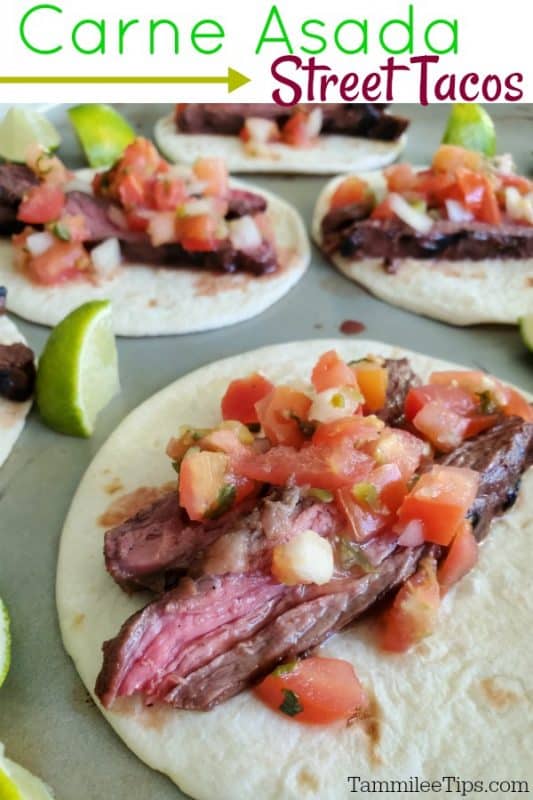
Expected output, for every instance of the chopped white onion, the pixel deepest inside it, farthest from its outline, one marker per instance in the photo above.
(457, 212)
(314, 123)
(418, 220)
(334, 404)
(261, 131)
(162, 228)
(244, 233)
(306, 558)
(39, 243)
(519, 206)
(197, 207)
(412, 534)
(106, 257)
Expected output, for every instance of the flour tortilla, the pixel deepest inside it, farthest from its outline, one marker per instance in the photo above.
(152, 301)
(459, 704)
(12, 415)
(332, 154)
(458, 292)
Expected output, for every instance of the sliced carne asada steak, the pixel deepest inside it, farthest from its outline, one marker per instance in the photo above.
(204, 642)
(17, 372)
(400, 378)
(15, 181)
(501, 455)
(368, 120)
(392, 240)
(156, 546)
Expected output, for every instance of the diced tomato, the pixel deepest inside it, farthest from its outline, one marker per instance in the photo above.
(331, 372)
(517, 405)
(167, 193)
(441, 426)
(197, 233)
(449, 158)
(390, 484)
(400, 448)
(452, 397)
(132, 192)
(414, 611)
(369, 506)
(202, 479)
(364, 520)
(372, 380)
(383, 211)
(478, 196)
(317, 691)
(479, 423)
(281, 414)
(71, 228)
(214, 174)
(61, 262)
(401, 178)
(440, 500)
(524, 185)
(327, 468)
(460, 559)
(42, 204)
(241, 396)
(225, 440)
(295, 132)
(351, 191)
(475, 382)
(140, 158)
(357, 429)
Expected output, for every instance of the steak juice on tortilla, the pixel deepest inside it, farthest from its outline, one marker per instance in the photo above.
(175, 249)
(318, 484)
(317, 139)
(453, 242)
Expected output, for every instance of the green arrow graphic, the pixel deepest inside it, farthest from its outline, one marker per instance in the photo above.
(233, 80)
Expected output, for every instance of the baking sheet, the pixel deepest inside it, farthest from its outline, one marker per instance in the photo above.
(46, 719)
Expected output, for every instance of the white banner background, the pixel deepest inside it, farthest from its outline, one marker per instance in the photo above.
(493, 39)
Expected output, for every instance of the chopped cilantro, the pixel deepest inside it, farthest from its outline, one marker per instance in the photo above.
(285, 669)
(291, 704)
(321, 494)
(61, 231)
(351, 555)
(366, 493)
(223, 503)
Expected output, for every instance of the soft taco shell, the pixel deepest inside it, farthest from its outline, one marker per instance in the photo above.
(459, 704)
(458, 292)
(331, 155)
(159, 301)
(12, 415)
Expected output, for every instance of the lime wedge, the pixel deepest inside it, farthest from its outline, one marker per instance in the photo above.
(470, 126)
(5, 643)
(21, 128)
(16, 783)
(104, 134)
(78, 371)
(526, 329)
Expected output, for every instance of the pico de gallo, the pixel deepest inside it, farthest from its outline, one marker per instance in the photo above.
(142, 200)
(328, 439)
(461, 186)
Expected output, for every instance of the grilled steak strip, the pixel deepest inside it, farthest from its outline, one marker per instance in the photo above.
(17, 372)
(501, 455)
(203, 642)
(391, 240)
(15, 181)
(368, 120)
(400, 378)
(159, 544)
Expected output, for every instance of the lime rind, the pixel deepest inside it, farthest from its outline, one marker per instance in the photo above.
(526, 330)
(78, 371)
(471, 127)
(5, 642)
(103, 133)
(23, 128)
(17, 783)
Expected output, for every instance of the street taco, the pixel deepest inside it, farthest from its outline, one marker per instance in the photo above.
(175, 249)
(17, 380)
(318, 139)
(308, 506)
(453, 242)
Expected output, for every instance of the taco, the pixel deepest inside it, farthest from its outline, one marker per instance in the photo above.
(175, 249)
(307, 507)
(317, 139)
(17, 381)
(453, 242)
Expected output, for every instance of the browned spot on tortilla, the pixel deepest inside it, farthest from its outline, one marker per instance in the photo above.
(209, 284)
(154, 719)
(127, 505)
(152, 303)
(498, 695)
(81, 697)
(371, 724)
(78, 620)
(307, 782)
(529, 283)
(114, 485)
